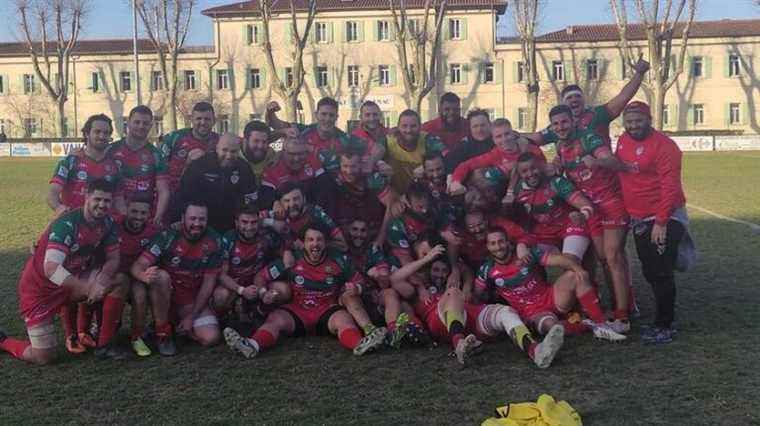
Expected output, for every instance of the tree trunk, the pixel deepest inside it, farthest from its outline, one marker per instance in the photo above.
(532, 108)
(61, 101)
(291, 107)
(658, 105)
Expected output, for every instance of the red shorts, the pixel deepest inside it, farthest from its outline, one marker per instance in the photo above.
(555, 235)
(39, 299)
(541, 304)
(436, 326)
(610, 214)
(184, 290)
(312, 320)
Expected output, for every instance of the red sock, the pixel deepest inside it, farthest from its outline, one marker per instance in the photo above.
(83, 318)
(15, 347)
(163, 329)
(590, 303)
(67, 315)
(456, 338)
(264, 339)
(574, 328)
(350, 337)
(621, 314)
(112, 308)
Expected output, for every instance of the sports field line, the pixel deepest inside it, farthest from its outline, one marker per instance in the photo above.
(753, 226)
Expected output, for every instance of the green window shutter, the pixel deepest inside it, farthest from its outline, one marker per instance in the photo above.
(313, 35)
(746, 64)
(333, 77)
(726, 114)
(289, 33)
(465, 73)
(376, 30)
(463, 28)
(602, 65)
(393, 75)
(515, 71)
(331, 32)
(690, 116)
(133, 78)
(391, 31)
(726, 66)
(315, 75)
(481, 72)
(246, 35)
(620, 67)
(498, 70)
(360, 30)
(248, 79)
(281, 74)
(263, 77)
(745, 113)
(374, 76)
(707, 64)
(446, 72)
(260, 32)
(447, 29)
(344, 33)
(689, 69)
(498, 113)
(569, 71)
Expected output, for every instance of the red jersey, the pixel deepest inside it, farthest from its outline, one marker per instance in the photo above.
(653, 188)
(140, 169)
(76, 170)
(449, 137)
(547, 205)
(505, 161)
(176, 147)
(316, 285)
(186, 260)
(278, 174)
(598, 184)
(521, 286)
(344, 201)
(370, 141)
(594, 119)
(245, 259)
(131, 244)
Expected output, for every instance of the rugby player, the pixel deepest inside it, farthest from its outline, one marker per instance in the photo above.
(136, 231)
(142, 166)
(257, 137)
(180, 269)
(294, 165)
(478, 142)
(449, 315)
(450, 127)
(406, 149)
(62, 270)
(588, 162)
(372, 132)
(317, 279)
(521, 284)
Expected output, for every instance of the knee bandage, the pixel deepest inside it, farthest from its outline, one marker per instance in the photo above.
(42, 337)
(206, 321)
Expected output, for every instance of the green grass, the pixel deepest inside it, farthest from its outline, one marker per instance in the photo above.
(707, 376)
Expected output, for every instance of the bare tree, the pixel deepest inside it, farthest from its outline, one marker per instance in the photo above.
(51, 30)
(167, 23)
(660, 24)
(287, 87)
(419, 46)
(525, 13)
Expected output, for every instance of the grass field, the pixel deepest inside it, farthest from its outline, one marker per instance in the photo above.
(707, 376)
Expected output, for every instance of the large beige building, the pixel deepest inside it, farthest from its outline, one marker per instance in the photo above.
(352, 56)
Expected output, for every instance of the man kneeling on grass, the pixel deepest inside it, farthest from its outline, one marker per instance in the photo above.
(449, 316)
(317, 280)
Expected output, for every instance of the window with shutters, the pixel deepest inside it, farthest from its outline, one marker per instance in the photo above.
(28, 83)
(125, 81)
(156, 80)
(2, 85)
(592, 69)
(697, 66)
(352, 31)
(734, 68)
(320, 32)
(665, 115)
(383, 30)
(95, 82)
(30, 127)
(254, 78)
(455, 29)
(522, 118)
(322, 77)
(353, 76)
(222, 79)
(698, 114)
(455, 73)
(384, 75)
(558, 71)
(223, 125)
(189, 80)
(734, 113)
(289, 76)
(252, 34)
(521, 71)
(489, 73)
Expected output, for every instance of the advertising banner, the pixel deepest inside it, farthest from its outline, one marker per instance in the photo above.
(737, 143)
(30, 149)
(5, 150)
(694, 143)
(62, 149)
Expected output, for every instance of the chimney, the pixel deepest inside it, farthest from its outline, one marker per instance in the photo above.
(569, 30)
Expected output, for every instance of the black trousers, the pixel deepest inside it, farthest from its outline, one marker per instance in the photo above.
(658, 268)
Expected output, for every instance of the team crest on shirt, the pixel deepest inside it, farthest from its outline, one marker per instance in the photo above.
(308, 170)
(67, 240)
(299, 280)
(433, 289)
(330, 280)
(236, 260)
(639, 150)
(274, 272)
(328, 269)
(75, 247)
(175, 260)
(82, 175)
(145, 168)
(181, 153)
(524, 270)
(234, 178)
(499, 282)
(155, 251)
(403, 243)
(144, 242)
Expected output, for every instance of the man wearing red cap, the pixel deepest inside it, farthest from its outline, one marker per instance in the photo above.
(654, 198)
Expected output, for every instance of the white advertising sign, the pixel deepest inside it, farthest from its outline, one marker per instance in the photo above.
(694, 143)
(737, 143)
(30, 149)
(5, 150)
(62, 149)
(385, 102)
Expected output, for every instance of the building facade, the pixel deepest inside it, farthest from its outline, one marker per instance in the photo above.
(352, 56)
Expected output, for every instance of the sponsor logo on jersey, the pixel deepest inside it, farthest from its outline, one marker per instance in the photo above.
(145, 168)
(330, 280)
(236, 260)
(403, 243)
(639, 150)
(299, 280)
(499, 282)
(181, 153)
(155, 250)
(75, 247)
(82, 175)
(234, 178)
(176, 260)
(144, 242)
(274, 272)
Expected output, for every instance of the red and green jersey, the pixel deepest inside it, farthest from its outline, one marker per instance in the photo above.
(245, 259)
(598, 184)
(177, 146)
(344, 201)
(316, 285)
(186, 260)
(76, 170)
(475, 252)
(449, 137)
(326, 150)
(405, 230)
(365, 258)
(594, 119)
(311, 214)
(548, 204)
(78, 239)
(140, 169)
(278, 174)
(370, 142)
(517, 284)
(132, 244)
